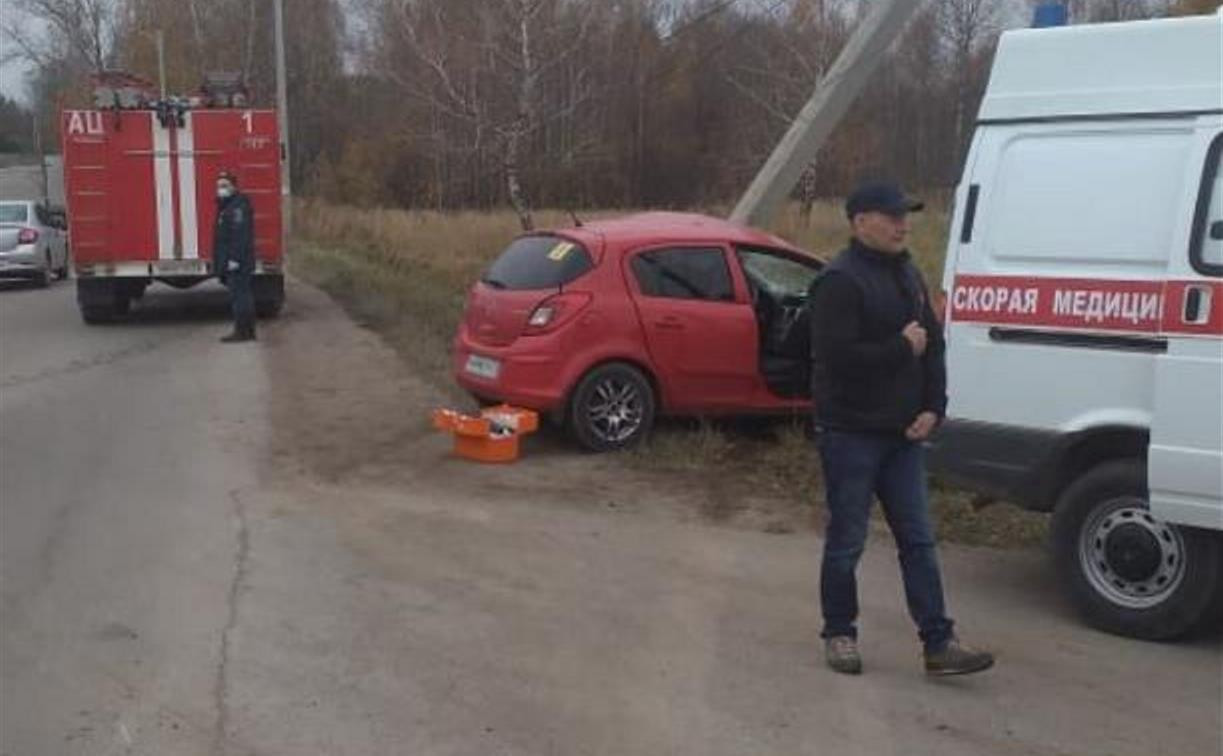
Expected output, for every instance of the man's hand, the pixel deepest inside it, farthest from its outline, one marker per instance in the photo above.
(922, 427)
(916, 336)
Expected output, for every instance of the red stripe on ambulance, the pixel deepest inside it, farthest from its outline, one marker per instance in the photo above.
(1083, 304)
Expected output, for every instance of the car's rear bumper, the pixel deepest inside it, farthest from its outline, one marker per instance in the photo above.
(23, 262)
(531, 372)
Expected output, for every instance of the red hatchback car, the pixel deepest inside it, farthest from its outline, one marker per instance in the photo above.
(608, 324)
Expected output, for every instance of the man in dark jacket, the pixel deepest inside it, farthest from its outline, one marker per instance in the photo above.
(233, 254)
(879, 385)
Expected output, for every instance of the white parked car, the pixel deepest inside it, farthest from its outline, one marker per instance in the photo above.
(1084, 280)
(33, 242)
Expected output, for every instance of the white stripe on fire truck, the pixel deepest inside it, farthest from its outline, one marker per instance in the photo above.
(163, 185)
(186, 190)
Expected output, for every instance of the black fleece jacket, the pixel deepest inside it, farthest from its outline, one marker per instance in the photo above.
(865, 376)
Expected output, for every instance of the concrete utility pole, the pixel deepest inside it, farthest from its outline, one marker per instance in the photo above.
(282, 112)
(161, 62)
(42, 155)
(829, 103)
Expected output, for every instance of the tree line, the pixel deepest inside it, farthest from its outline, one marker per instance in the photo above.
(560, 103)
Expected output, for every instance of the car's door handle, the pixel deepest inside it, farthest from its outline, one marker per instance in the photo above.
(669, 322)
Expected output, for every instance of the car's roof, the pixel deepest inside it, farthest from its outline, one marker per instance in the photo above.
(665, 227)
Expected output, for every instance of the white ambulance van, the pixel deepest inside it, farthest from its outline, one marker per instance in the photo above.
(1084, 285)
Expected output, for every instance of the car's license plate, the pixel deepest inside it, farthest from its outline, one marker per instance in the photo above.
(485, 367)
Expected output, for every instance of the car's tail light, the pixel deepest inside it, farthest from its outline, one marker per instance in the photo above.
(554, 312)
(27, 236)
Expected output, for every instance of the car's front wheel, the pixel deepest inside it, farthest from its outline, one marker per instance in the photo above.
(612, 408)
(1129, 572)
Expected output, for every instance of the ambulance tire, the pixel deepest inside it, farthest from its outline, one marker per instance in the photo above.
(1128, 573)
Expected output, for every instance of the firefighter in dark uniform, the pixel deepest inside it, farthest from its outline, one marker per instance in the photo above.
(233, 254)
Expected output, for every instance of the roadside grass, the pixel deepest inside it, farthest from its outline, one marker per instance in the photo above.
(405, 274)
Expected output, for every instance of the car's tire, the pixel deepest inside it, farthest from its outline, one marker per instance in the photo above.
(1129, 573)
(611, 408)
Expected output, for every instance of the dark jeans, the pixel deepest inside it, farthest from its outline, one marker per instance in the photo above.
(858, 467)
(242, 301)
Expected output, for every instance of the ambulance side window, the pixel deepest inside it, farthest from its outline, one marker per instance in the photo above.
(1206, 243)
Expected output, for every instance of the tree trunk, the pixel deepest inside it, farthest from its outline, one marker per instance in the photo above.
(806, 193)
(518, 197)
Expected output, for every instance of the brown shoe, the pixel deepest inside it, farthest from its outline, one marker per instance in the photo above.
(957, 659)
(842, 655)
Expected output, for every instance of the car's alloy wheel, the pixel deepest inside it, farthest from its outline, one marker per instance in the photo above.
(612, 408)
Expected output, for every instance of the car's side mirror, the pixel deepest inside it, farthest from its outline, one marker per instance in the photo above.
(1216, 230)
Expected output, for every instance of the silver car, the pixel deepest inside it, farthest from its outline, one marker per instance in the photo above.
(33, 242)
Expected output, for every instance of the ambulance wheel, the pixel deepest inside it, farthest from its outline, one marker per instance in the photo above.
(1128, 572)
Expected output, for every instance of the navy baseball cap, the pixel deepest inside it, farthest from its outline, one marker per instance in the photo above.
(882, 197)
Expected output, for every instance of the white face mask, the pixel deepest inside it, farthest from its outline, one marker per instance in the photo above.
(224, 191)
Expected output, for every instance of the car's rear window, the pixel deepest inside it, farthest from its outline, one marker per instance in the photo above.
(538, 262)
(13, 213)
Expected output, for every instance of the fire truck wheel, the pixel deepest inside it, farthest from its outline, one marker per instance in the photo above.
(96, 315)
(1130, 573)
(269, 291)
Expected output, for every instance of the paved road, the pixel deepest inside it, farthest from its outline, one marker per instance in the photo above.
(179, 574)
(119, 450)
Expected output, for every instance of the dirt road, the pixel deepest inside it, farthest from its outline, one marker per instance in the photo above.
(262, 549)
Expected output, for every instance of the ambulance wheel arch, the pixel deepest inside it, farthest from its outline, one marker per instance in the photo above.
(1131, 574)
(1084, 451)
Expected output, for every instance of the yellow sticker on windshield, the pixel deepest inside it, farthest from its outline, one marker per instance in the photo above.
(561, 251)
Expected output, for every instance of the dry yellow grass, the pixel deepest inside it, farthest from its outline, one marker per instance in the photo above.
(406, 273)
(457, 246)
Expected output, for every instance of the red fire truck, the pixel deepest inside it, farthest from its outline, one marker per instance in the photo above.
(140, 177)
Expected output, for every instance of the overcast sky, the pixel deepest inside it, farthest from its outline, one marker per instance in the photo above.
(12, 75)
